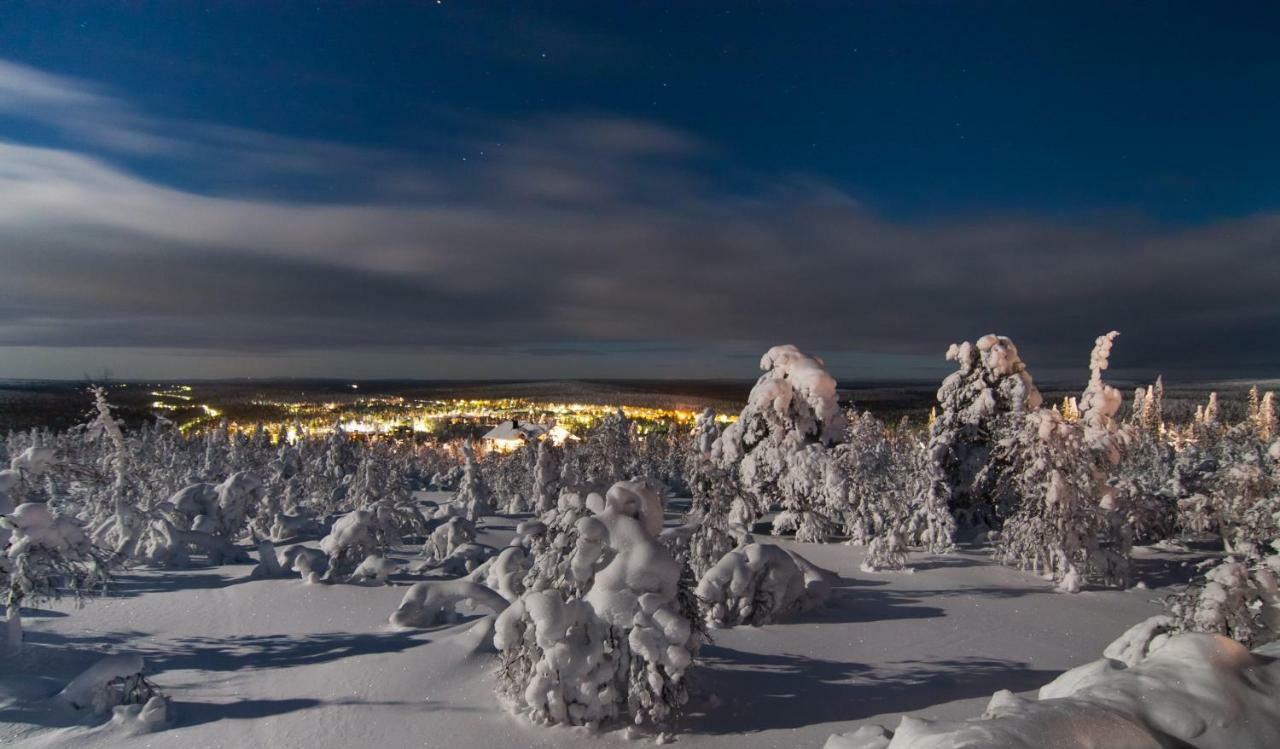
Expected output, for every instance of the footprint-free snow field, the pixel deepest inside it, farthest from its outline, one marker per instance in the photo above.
(278, 662)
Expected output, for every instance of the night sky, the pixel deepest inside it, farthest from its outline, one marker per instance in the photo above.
(641, 189)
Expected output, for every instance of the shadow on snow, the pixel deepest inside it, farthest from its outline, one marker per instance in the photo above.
(761, 692)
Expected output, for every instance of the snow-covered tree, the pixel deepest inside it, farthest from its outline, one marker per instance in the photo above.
(1267, 422)
(509, 476)
(932, 526)
(991, 384)
(473, 497)
(761, 583)
(1212, 411)
(717, 512)
(606, 454)
(546, 474)
(352, 539)
(779, 443)
(1237, 598)
(1101, 402)
(622, 649)
(48, 553)
(221, 510)
(447, 538)
(885, 477)
(1061, 528)
(551, 558)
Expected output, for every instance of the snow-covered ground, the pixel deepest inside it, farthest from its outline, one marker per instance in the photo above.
(281, 663)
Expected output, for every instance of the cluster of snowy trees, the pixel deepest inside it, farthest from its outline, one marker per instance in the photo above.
(994, 459)
(76, 504)
(597, 607)
(1063, 491)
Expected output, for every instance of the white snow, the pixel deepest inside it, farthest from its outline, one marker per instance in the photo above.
(428, 604)
(1196, 691)
(85, 691)
(274, 662)
(761, 583)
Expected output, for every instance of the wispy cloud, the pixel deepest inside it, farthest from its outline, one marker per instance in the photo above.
(570, 231)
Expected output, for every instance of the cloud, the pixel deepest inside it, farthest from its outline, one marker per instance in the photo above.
(565, 234)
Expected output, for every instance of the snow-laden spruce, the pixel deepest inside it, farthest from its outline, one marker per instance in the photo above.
(991, 382)
(1061, 527)
(621, 650)
(546, 476)
(718, 514)
(554, 548)
(888, 503)
(778, 446)
(473, 500)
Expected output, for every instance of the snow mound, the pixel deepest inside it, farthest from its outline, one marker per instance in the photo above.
(149, 717)
(375, 568)
(428, 604)
(86, 690)
(1194, 691)
(761, 583)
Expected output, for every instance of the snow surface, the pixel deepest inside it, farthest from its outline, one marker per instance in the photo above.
(276, 662)
(1193, 690)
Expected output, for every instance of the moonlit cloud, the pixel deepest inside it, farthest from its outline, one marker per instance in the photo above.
(574, 233)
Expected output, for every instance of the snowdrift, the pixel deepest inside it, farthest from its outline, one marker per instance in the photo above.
(1193, 690)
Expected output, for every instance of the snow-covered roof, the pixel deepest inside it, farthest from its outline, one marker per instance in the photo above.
(512, 429)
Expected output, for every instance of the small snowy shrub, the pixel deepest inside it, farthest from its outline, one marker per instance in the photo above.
(1236, 599)
(47, 554)
(432, 603)
(761, 583)
(447, 537)
(349, 542)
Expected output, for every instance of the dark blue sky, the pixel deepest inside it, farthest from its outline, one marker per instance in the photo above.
(939, 160)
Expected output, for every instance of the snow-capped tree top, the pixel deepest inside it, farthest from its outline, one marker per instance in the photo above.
(793, 401)
(34, 525)
(705, 432)
(353, 530)
(992, 378)
(793, 375)
(1100, 402)
(639, 500)
(1101, 356)
(104, 422)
